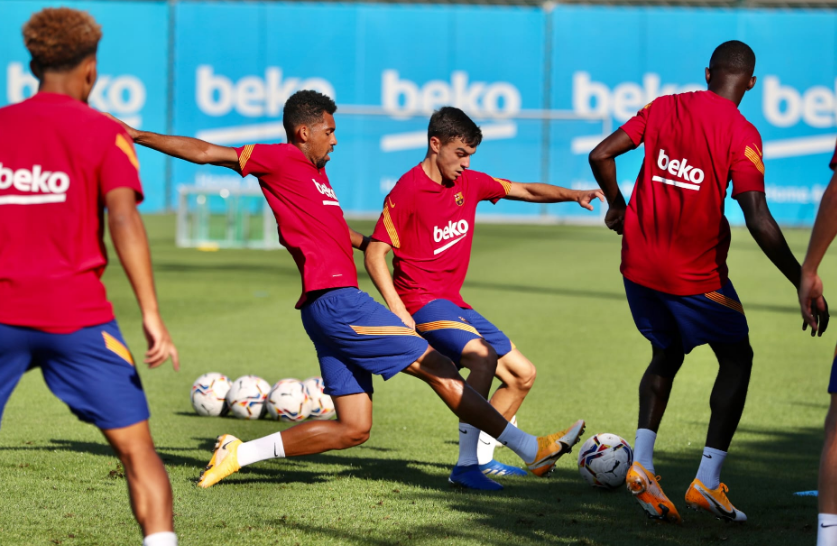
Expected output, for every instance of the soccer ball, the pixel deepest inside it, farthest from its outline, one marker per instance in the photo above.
(209, 393)
(247, 396)
(604, 460)
(289, 401)
(322, 406)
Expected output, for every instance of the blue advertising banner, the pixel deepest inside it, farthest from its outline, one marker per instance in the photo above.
(613, 61)
(234, 73)
(132, 63)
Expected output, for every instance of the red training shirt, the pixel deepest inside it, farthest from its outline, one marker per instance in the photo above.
(676, 236)
(58, 159)
(430, 227)
(311, 223)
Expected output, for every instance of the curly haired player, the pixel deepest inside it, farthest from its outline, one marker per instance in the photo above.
(61, 164)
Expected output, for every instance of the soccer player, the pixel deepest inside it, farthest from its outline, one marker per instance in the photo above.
(674, 251)
(354, 335)
(61, 164)
(428, 223)
(813, 306)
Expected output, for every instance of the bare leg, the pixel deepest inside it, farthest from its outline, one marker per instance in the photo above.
(656, 383)
(354, 421)
(828, 463)
(735, 361)
(440, 373)
(148, 484)
(518, 375)
(481, 360)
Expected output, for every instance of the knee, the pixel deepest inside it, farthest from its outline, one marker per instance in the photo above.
(525, 379)
(480, 358)
(355, 435)
(666, 362)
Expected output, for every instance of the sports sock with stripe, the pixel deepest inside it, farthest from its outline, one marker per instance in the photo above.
(709, 472)
(160, 539)
(269, 447)
(525, 445)
(827, 530)
(468, 440)
(644, 448)
(485, 448)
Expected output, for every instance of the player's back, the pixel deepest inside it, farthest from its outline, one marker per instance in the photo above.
(676, 235)
(58, 158)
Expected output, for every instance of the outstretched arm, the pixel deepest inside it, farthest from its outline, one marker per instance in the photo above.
(810, 285)
(603, 163)
(768, 235)
(376, 264)
(547, 193)
(190, 149)
(128, 234)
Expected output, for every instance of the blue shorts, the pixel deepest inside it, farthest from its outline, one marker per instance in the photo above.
(714, 317)
(832, 384)
(90, 370)
(355, 337)
(449, 328)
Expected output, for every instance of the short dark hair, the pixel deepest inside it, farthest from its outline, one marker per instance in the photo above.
(449, 123)
(60, 38)
(733, 57)
(305, 107)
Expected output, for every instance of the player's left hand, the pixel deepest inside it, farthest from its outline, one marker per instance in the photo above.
(583, 197)
(615, 217)
(812, 303)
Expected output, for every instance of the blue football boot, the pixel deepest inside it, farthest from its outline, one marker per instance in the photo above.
(471, 477)
(495, 468)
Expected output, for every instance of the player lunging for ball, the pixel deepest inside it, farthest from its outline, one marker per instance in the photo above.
(674, 251)
(813, 306)
(428, 223)
(354, 336)
(61, 164)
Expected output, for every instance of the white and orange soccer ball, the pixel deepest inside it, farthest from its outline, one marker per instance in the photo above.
(247, 397)
(209, 394)
(322, 406)
(604, 460)
(288, 400)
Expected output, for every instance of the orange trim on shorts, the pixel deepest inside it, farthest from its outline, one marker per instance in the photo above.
(384, 331)
(717, 297)
(116, 346)
(446, 325)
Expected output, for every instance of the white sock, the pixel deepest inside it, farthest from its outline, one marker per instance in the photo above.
(485, 448)
(468, 440)
(644, 448)
(525, 445)
(827, 530)
(269, 447)
(709, 472)
(160, 539)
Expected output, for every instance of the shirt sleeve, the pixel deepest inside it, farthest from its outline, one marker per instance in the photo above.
(258, 159)
(396, 214)
(490, 188)
(747, 166)
(635, 127)
(120, 166)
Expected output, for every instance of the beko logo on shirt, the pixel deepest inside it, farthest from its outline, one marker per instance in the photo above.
(681, 169)
(44, 186)
(328, 192)
(454, 230)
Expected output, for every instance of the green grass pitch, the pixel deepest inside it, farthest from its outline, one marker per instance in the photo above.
(555, 290)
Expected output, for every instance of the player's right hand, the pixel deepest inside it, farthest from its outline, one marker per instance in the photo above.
(406, 318)
(130, 130)
(615, 218)
(160, 345)
(812, 303)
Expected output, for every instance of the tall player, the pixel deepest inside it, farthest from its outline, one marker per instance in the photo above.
(61, 164)
(355, 336)
(813, 306)
(428, 223)
(674, 251)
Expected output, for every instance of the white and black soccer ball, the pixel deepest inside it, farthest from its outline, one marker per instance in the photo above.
(288, 400)
(209, 394)
(604, 460)
(322, 406)
(247, 397)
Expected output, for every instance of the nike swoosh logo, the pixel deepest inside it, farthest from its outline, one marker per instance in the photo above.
(824, 526)
(274, 451)
(228, 443)
(391, 205)
(463, 431)
(484, 442)
(720, 508)
(707, 456)
(447, 246)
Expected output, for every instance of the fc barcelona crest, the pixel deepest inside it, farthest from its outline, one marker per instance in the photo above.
(460, 199)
